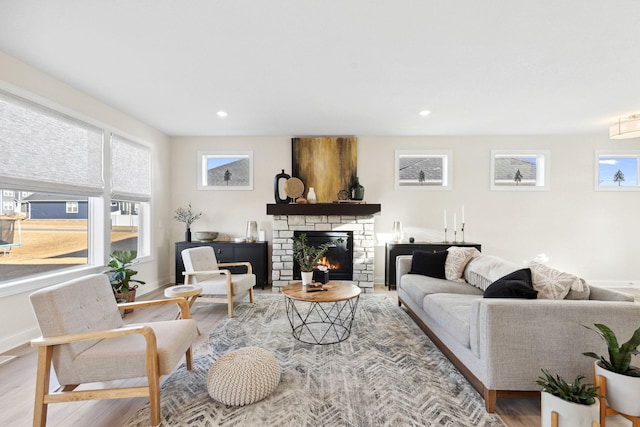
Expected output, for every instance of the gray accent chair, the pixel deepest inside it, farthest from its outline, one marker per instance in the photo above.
(85, 338)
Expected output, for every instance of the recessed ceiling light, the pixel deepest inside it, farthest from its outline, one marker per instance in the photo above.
(222, 114)
(424, 113)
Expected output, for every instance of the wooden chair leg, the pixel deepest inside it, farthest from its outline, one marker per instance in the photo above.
(251, 295)
(189, 359)
(42, 386)
(230, 305)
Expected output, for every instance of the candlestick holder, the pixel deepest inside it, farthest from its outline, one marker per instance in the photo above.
(462, 229)
(445, 235)
(455, 239)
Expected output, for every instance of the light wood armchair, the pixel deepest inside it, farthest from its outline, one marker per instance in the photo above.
(218, 285)
(86, 341)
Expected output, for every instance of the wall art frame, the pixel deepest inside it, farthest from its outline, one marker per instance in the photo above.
(520, 170)
(617, 170)
(225, 170)
(426, 170)
(329, 164)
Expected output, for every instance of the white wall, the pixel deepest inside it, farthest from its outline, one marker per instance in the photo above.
(23, 80)
(591, 233)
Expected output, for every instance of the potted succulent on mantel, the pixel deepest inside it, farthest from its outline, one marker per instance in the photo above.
(187, 217)
(120, 276)
(576, 404)
(308, 256)
(623, 379)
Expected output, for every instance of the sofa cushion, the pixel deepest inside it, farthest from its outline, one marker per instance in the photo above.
(583, 294)
(483, 270)
(457, 260)
(513, 285)
(417, 287)
(453, 312)
(551, 283)
(429, 263)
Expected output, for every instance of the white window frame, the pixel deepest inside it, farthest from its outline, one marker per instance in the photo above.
(619, 154)
(543, 169)
(447, 172)
(71, 207)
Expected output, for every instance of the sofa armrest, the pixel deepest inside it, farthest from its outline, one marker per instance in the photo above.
(517, 338)
(403, 266)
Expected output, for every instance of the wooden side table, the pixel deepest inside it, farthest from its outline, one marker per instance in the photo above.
(188, 292)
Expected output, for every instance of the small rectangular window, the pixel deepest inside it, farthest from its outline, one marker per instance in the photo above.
(519, 170)
(423, 170)
(7, 193)
(617, 171)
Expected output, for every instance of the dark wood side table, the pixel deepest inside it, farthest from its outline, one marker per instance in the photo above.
(255, 253)
(392, 250)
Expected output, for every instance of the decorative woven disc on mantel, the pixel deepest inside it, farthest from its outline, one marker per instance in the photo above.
(293, 187)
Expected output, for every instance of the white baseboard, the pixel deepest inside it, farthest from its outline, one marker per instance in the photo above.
(10, 342)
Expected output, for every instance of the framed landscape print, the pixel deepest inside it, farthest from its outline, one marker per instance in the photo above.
(423, 170)
(617, 171)
(225, 170)
(520, 170)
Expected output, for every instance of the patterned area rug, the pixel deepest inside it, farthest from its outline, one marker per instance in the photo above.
(387, 373)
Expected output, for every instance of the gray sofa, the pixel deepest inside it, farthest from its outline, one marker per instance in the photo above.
(501, 344)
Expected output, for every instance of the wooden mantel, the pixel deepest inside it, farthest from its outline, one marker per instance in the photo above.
(324, 209)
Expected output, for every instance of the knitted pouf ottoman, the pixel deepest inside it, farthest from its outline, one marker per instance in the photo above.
(243, 376)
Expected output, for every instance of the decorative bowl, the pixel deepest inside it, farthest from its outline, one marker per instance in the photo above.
(206, 236)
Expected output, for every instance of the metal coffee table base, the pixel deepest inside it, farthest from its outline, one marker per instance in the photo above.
(321, 322)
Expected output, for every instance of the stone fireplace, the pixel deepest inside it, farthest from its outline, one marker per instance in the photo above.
(358, 219)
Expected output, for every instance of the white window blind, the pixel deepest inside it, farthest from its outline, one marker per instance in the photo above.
(130, 170)
(43, 149)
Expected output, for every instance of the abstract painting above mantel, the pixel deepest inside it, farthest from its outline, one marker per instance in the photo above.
(225, 170)
(328, 164)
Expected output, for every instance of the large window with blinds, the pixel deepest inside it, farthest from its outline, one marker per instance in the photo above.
(56, 191)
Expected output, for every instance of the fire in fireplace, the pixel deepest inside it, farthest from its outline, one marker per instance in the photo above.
(339, 257)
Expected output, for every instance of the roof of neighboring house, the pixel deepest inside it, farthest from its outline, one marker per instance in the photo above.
(49, 197)
(506, 167)
(410, 168)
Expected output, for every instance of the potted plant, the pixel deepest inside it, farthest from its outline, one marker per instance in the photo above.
(623, 379)
(308, 256)
(576, 404)
(120, 275)
(187, 217)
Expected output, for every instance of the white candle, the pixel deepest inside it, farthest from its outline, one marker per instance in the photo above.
(463, 214)
(455, 225)
(445, 218)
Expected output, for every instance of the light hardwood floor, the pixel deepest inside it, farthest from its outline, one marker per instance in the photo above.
(17, 379)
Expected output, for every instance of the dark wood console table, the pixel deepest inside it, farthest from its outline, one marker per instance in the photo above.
(255, 253)
(395, 249)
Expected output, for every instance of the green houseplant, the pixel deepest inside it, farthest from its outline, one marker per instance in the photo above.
(622, 378)
(307, 256)
(120, 275)
(575, 404)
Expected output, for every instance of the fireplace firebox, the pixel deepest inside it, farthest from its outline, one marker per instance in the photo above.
(339, 257)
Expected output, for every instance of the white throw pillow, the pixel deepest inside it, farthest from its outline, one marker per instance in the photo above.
(551, 283)
(457, 260)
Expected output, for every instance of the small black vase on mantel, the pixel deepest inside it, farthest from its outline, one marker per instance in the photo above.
(187, 235)
(276, 188)
(357, 190)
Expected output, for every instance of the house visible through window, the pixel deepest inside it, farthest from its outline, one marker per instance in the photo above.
(519, 170)
(72, 207)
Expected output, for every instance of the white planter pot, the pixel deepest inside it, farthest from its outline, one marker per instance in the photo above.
(307, 277)
(623, 392)
(569, 414)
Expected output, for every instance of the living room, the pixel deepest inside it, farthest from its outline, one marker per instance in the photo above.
(555, 91)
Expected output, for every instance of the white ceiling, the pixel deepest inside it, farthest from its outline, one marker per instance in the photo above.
(341, 67)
